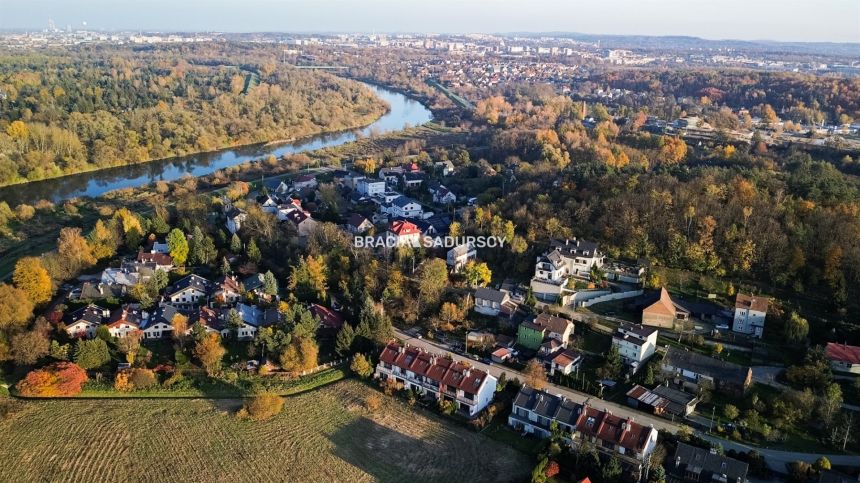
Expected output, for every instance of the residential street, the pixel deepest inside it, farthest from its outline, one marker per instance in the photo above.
(775, 458)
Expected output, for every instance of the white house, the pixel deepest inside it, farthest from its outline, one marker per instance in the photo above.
(750, 314)
(436, 376)
(302, 221)
(120, 276)
(84, 322)
(557, 328)
(403, 207)
(126, 320)
(160, 323)
(566, 258)
(304, 181)
(442, 195)
(636, 343)
(460, 255)
(489, 301)
(402, 233)
(226, 290)
(445, 167)
(188, 293)
(357, 224)
(235, 218)
(370, 187)
(533, 412)
(843, 357)
(267, 204)
(563, 361)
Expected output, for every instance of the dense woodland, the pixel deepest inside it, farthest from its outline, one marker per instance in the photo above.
(795, 97)
(68, 112)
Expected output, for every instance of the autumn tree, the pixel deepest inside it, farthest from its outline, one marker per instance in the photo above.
(361, 366)
(15, 307)
(177, 245)
(58, 379)
(535, 374)
(209, 352)
(432, 280)
(180, 327)
(477, 274)
(309, 278)
(673, 150)
(75, 253)
(301, 355)
(31, 277)
(28, 347)
(261, 407)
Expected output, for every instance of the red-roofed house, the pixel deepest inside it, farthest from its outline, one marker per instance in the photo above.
(843, 357)
(328, 317)
(437, 377)
(402, 233)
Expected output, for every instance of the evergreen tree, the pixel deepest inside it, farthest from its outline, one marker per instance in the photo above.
(253, 251)
(235, 244)
(345, 338)
(270, 284)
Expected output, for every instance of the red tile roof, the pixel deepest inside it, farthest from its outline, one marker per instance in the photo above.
(843, 352)
(751, 302)
(329, 318)
(162, 259)
(613, 429)
(403, 228)
(435, 367)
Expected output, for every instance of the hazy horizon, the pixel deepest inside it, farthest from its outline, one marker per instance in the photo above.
(763, 20)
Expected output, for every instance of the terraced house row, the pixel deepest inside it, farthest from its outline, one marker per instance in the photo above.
(535, 412)
(437, 377)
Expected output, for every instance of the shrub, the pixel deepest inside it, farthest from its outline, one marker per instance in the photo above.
(132, 379)
(361, 366)
(261, 407)
(373, 402)
(59, 379)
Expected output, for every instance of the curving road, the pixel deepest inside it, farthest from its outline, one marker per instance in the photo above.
(775, 458)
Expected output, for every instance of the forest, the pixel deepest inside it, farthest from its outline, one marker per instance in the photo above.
(70, 111)
(796, 97)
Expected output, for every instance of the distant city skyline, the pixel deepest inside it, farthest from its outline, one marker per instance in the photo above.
(785, 20)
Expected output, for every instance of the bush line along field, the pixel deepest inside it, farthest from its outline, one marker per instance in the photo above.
(324, 435)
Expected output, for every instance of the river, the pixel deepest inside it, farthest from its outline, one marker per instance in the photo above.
(404, 111)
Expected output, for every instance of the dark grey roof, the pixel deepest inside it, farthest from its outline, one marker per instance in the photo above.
(98, 291)
(490, 294)
(195, 281)
(402, 201)
(553, 407)
(642, 331)
(163, 313)
(91, 313)
(708, 366)
(575, 247)
(692, 460)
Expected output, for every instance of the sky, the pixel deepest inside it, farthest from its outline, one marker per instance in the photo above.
(784, 20)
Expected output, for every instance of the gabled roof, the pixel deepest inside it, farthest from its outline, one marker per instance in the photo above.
(161, 259)
(708, 465)
(664, 305)
(127, 314)
(708, 366)
(573, 247)
(490, 294)
(356, 220)
(436, 367)
(227, 283)
(403, 228)
(843, 353)
(163, 314)
(552, 323)
(191, 281)
(751, 302)
(329, 318)
(401, 201)
(91, 314)
(211, 318)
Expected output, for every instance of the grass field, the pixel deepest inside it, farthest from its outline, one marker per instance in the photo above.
(323, 435)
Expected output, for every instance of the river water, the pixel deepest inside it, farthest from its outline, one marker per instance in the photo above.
(404, 111)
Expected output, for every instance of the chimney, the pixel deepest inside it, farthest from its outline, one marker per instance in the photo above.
(566, 241)
(677, 461)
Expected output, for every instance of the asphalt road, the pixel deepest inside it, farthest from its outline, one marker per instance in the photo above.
(775, 458)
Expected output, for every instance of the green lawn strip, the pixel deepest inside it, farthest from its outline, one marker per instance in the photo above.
(501, 432)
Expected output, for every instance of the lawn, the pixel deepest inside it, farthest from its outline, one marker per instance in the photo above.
(323, 435)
